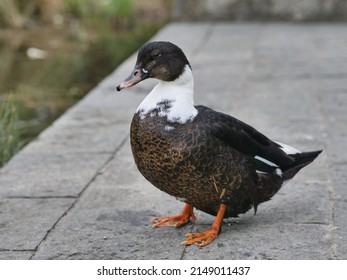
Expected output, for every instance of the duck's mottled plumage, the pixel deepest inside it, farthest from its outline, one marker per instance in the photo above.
(207, 159)
(192, 165)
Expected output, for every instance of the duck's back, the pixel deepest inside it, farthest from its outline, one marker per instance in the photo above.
(191, 163)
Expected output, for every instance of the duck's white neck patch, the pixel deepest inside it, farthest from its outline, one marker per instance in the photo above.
(173, 100)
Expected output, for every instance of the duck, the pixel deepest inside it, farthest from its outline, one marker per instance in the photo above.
(209, 160)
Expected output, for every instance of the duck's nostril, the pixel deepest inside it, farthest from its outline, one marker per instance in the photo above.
(136, 72)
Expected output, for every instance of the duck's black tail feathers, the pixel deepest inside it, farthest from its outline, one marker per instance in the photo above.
(300, 161)
(269, 184)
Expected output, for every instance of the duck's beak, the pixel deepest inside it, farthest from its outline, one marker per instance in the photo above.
(135, 77)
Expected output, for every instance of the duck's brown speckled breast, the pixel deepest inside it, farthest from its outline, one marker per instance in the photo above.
(189, 163)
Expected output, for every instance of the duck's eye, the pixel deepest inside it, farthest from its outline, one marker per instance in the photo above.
(155, 55)
(144, 70)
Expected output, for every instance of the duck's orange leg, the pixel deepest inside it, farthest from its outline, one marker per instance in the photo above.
(176, 221)
(206, 237)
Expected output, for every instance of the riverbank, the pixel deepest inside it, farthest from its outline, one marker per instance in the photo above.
(48, 67)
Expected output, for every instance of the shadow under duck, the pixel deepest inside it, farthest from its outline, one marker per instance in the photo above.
(207, 159)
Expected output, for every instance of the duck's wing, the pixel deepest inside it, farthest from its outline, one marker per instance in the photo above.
(268, 155)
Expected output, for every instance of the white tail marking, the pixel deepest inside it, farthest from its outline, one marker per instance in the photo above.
(288, 149)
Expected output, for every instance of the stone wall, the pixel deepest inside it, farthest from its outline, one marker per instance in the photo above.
(280, 10)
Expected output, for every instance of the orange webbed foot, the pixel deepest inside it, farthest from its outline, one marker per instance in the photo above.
(201, 238)
(176, 221)
(204, 238)
(172, 221)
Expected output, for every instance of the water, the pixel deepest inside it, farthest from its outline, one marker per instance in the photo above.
(69, 66)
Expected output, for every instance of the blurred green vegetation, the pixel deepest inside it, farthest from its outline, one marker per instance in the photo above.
(108, 8)
(9, 130)
(82, 41)
(19, 13)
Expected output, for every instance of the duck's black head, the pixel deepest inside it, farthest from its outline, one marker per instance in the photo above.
(161, 60)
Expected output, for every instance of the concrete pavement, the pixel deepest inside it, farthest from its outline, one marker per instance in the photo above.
(75, 192)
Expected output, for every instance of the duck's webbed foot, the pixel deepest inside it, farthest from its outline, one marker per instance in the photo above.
(204, 238)
(176, 221)
(201, 238)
